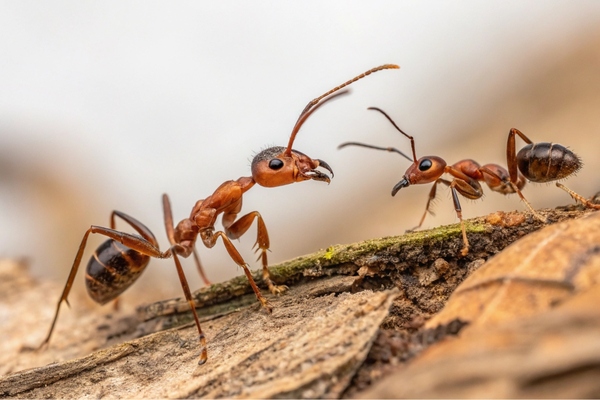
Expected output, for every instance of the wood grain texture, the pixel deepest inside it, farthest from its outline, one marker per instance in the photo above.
(353, 314)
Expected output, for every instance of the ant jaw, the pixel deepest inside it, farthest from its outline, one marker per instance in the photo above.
(402, 184)
(316, 175)
(324, 165)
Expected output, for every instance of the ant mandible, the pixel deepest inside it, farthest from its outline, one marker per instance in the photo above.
(466, 175)
(120, 260)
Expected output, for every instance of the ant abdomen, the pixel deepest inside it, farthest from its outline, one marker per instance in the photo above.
(112, 269)
(546, 162)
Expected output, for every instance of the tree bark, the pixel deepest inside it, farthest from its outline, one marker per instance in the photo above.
(353, 314)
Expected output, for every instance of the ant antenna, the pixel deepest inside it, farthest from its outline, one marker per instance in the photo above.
(315, 102)
(412, 140)
(370, 146)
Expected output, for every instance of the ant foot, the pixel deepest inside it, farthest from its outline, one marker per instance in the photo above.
(278, 289)
(43, 346)
(577, 197)
(266, 305)
(540, 217)
(203, 356)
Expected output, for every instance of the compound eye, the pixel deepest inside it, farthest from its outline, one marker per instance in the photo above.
(275, 164)
(425, 164)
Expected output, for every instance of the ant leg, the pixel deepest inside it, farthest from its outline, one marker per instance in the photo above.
(188, 296)
(140, 228)
(67, 287)
(150, 247)
(145, 247)
(239, 227)
(513, 170)
(135, 224)
(210, 239)
(515, 131)
(511, 153)
(469, 188)
(465, 184)
(131, 241)
(458, 209)
(170, 228)
(168, 219)
(432, 194)
(200, 269)
(578, 197)
(537, 215)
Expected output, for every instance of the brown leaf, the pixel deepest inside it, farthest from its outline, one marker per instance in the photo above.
(534, 323)
(530, 275)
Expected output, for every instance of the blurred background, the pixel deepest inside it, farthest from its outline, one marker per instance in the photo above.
(107, 105)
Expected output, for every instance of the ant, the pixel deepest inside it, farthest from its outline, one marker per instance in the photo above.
(120, 260)
(541, 162)
(466, 175)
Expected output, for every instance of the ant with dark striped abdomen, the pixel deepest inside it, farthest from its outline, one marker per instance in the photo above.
(120, 260)
(541, 162)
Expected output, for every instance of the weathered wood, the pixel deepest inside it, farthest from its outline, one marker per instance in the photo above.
(310, 347)
(320, 332)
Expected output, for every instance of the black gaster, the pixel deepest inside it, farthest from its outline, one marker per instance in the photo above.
(112, 269)
(547, 162)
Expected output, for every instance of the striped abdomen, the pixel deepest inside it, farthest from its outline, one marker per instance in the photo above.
(112, 269)
(546, 162)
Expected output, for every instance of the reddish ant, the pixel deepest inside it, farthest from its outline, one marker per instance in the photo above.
(541, 162)
(120, 260)
(466, 175)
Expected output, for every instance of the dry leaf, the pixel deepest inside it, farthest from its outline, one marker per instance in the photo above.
(533, 325)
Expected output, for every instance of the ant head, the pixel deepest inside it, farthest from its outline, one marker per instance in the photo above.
(274, 167)
(277, 166)
(425, 170)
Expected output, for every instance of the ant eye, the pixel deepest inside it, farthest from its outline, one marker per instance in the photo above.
(425, 164)
(275, 164)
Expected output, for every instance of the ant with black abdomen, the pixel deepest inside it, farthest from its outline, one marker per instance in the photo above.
(541, 162)
(120, 260)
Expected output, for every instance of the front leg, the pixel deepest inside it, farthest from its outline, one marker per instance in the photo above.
(239, 227)
(454, 187)
(430, 199)
(209, 238)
